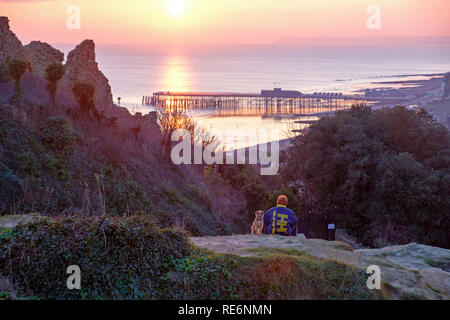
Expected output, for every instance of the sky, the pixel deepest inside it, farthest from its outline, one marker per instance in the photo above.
(223, 22)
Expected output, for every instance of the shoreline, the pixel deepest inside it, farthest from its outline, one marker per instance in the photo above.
(407, 92)
(411, 91)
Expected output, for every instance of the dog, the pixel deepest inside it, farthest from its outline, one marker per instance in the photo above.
(258, 223)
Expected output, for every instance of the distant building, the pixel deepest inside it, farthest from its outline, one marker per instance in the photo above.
(278, 92)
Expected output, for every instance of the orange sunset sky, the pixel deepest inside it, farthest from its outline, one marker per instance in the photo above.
(226, 22)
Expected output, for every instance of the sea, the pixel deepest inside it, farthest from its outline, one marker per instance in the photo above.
(134, 71)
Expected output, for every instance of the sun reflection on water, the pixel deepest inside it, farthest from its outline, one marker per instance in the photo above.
(176, 74)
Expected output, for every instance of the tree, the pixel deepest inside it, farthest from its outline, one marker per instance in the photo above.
(84, 93)
(172, 119)
(53, 74)
(380, 168)
(16, 70)
(169, 121)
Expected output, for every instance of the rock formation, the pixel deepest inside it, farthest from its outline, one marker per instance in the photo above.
(82, 67)
(411, 271)
(40, 55)
(10, 45)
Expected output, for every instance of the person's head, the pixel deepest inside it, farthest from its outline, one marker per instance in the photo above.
(282, 200)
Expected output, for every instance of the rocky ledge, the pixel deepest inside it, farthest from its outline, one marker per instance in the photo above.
(412, 270)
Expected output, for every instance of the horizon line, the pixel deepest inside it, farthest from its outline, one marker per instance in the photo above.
(281, 41)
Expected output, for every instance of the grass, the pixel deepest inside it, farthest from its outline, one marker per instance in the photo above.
(294, 274)
(273, 274)
(266, 252)
(438, 264)
(3, 230)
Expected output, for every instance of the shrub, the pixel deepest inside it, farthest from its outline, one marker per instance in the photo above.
(58, 135)
(199, 276)
(85, 92)
(10, 189)
(16, 70)
(124, 196)
(53, 74)
(118, 258)
(383, 167)
(277, 274)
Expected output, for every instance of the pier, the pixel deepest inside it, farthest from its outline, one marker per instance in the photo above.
(267, 102)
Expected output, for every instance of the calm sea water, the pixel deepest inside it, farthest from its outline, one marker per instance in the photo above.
(134, 72)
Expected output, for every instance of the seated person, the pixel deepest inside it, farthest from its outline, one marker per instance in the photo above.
(280, 220)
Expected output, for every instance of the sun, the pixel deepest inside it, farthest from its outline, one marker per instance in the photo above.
(176, 7)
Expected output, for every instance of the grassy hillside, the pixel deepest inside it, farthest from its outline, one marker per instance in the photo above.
(59, 165)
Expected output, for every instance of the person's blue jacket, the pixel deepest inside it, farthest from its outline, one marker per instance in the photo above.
(280, 220)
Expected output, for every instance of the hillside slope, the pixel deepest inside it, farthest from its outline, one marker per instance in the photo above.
(55, 163)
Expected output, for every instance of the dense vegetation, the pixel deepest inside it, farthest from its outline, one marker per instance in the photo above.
(118, 257)
(53, 74)
(387, 173)
(69, 165)
(130, 258)
(16, 68)
(260, 192)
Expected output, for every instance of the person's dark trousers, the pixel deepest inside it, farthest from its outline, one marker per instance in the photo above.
(332, 234)
(294, 231)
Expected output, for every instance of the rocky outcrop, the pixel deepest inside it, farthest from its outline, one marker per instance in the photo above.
(407, 271)
(40, 55)
(10, 45)
(82, 67)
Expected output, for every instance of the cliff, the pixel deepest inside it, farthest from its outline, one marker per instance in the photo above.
(10, 45)
(81, 66)
(40, 55)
